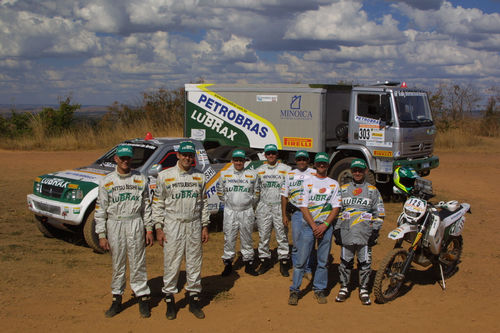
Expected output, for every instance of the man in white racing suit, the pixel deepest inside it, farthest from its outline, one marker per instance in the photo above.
(180, 216)
(236, 188)
(357, 229)
(270, 178)
(290, 193)
(122, 212)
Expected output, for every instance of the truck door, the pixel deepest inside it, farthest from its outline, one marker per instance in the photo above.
(372, 127)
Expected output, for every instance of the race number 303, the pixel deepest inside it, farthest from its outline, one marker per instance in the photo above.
(370, 133)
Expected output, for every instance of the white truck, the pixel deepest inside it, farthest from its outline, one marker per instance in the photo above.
(65, 200)
(385, 124)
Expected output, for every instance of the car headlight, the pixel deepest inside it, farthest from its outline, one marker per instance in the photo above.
(74, 195)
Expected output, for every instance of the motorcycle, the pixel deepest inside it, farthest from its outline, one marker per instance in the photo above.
(434, 232)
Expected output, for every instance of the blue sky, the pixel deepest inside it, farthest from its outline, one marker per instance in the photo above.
(101, 51)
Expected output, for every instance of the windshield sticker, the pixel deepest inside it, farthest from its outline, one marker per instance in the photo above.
(401, 93)
(366, 120)
(141, 145)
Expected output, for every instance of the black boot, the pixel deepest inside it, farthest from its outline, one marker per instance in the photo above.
(194, 306)
(228, 267)
(115, 307)
(265, 265)
(284, 267)
(144, 309)
(249, 269)
(171, 312)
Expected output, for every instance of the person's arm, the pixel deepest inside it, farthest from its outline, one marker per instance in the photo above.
(146, 213)
(284, 201)
(205, 215)
(101, 215)
(158, 209)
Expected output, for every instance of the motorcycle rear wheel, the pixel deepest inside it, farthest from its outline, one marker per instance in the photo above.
(387, 284)
(450, 255)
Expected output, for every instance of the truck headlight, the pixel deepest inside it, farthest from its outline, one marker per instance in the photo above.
(38, 187)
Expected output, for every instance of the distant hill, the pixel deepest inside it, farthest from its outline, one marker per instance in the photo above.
(84, 111)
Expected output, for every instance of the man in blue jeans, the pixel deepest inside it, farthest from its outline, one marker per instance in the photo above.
(290, 194)
(319, 204)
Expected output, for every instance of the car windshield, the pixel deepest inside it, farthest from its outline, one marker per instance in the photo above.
(142, 152)
(413, 109)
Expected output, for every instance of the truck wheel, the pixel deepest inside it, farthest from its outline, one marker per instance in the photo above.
(91, 238)
(46, 228)
(341, 172)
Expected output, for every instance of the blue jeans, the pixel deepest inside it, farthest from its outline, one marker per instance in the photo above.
(297, 225)
(306, 242)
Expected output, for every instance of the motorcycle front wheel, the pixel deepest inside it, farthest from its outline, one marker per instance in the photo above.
(450, 255)
(389, 279)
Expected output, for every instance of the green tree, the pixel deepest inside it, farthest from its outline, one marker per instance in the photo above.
(58, 120)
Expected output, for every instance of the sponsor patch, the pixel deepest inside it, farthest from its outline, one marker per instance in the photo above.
(357, 191)
(76, 210)
(138, 181)
(297, 142)
(322, 190)
(382, 153)
(366, 216)
(197, 178)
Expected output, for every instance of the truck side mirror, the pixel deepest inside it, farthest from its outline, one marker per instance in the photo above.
(345, 115)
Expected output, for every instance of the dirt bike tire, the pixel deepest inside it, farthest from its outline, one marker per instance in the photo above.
(382, 293)
(455, 251)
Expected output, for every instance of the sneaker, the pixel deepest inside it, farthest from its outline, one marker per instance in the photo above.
(228, 268)
(144, 308)
(249, 269)
(294, 298)
(194, 306)
(171, 312)
(308, 276)
(364, 296)
(320, 297)
(265, 265)
(284, 268)
(342, 295)
(116, 306)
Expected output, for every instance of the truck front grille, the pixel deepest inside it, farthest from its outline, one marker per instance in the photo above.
(47, 208)
(52, 191)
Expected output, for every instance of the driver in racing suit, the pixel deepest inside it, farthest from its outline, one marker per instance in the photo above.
(357, 229)
(270, 179)
(122, 210)
(180, 216)
(236, 189)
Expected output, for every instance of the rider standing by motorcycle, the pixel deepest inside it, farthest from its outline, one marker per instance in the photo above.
(357, 229)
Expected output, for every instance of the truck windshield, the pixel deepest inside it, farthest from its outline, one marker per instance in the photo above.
(142, 152)
(413, 109)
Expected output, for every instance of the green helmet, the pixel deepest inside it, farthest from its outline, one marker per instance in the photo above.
(404, 178)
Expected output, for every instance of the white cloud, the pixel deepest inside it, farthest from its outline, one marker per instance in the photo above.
(344, 21)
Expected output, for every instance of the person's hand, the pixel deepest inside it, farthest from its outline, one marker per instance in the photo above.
(160, 237)
(286, 221)
(104, 244)
(149, 238)
(372, 241)
(204, 235)
(320, 230)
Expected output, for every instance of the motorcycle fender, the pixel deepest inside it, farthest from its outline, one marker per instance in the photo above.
(400, 231)
(456, 229)
(456, 216)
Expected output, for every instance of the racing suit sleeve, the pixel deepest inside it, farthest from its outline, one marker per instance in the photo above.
(146, 207)
(205, 216)
(221, 188)
(101, 208)
(378, 211)
(158, 205)
(257, 189)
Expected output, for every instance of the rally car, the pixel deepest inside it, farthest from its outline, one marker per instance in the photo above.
(65, 200)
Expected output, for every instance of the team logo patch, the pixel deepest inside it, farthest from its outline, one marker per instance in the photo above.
(197, 178)
(138, 181)
(169, 179)
(228, 176)
(357, 191)
(322, 190)
(108, 184)
(249, 176)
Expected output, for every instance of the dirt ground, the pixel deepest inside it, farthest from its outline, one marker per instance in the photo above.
(61, 285)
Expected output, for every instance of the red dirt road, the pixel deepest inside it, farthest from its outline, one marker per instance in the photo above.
(53, 284)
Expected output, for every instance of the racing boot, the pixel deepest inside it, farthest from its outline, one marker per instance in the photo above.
(364, 296)
(228, 267)
(115, 307)
(171, 312)
(265, 265)
(194, 306)
(144, 308)
(284, 267)
(249, 269)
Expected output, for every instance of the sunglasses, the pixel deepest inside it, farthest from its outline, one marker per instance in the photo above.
(271, 153)
(301, 159)
(357, 170)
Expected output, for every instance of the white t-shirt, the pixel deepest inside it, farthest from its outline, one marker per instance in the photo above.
(320, 196)
(294, 182)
